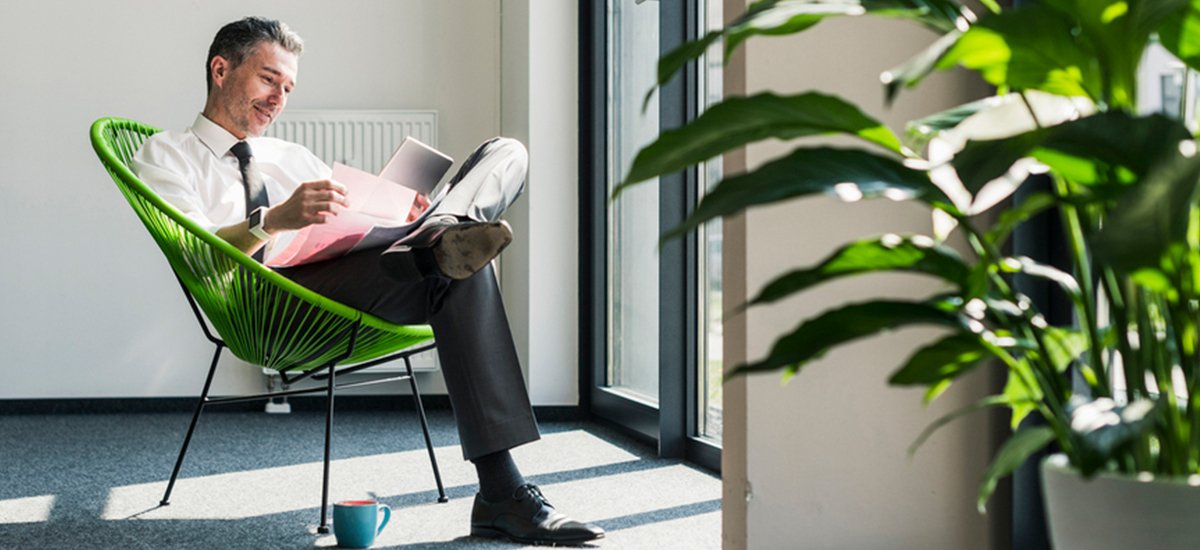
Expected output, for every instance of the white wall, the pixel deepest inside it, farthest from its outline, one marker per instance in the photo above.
(90, 308)
(820, 462)
(540, 106)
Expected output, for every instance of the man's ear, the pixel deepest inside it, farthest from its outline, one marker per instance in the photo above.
(219, 69)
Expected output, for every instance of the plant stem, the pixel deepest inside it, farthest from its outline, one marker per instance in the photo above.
(1190, 313)
(1134, 373)
(1055, 416)
(1083, 275)
(1187, 363)
(1042, 368)
(1131, 368)
(1174, 441)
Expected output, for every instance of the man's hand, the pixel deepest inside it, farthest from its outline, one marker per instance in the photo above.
(313, 202)
(419, 206)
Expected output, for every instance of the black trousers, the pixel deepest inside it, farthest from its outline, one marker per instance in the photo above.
(474, 343)
(478, 357)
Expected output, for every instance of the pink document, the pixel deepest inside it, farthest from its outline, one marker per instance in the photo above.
(375, 206)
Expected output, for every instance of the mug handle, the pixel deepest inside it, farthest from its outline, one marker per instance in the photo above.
(387, 515)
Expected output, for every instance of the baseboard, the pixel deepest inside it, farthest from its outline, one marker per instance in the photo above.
(299, 404)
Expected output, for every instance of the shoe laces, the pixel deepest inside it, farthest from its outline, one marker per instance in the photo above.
(531, 491)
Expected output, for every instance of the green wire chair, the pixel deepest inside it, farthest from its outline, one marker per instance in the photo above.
(262, 317)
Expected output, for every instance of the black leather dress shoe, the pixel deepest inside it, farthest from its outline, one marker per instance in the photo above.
(528, 518)
(445, 247)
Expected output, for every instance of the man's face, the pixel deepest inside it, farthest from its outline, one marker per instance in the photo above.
(251, 95)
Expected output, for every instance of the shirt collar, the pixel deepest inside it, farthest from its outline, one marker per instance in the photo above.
(212, 135)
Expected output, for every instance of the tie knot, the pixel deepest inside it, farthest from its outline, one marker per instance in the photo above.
(241, 150)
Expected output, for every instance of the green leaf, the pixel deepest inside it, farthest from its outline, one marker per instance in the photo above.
(848, 174)
(1028, 266)
(940, 361)
(1155, 280)
(1102, 427)
(989, 401)
(1032, 205)
(1181, 34)
(978, 281)
(1151, 217)
(814, 337)
(1023, 396)
(1064, 346)
(785, 17)
(739, 121)
(935, 391)
(1110, 148)
(937, 15)
(919, 132)
(1031, 48)
(887, 253)
(1119, 146)
(985, 160)
(1118, 32)
(911, 72)
(672, 61)
(1002, 311)
(1025, 442)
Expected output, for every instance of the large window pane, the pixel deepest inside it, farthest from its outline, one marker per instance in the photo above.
(711, 363)
(633, 274)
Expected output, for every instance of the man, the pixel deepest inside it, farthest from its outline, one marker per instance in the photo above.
(248, 189)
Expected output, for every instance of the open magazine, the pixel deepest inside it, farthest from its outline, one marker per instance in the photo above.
(378, 209)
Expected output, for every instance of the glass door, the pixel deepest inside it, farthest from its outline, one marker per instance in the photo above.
(648, 339)
(633, 219)
(711, 365)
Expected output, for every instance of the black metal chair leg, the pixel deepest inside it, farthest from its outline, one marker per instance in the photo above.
(324, 527)
(437, 476)
(192, 427)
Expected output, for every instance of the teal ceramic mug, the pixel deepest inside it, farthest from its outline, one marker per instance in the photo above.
(356, 523)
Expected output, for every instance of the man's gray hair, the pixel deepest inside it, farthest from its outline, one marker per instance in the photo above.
(236, 41)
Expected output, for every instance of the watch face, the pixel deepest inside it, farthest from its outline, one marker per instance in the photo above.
(256, 218)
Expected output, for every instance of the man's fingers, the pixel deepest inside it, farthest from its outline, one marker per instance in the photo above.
(318, 216)
(333, 195)
(326, 184)
(325, 196)
(322, 210)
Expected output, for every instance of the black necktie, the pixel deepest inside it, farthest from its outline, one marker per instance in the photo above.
(256, 191)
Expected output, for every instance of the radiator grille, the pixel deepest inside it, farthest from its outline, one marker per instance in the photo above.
(362, 139)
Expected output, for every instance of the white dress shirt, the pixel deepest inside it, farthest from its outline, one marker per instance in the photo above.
(194, 171)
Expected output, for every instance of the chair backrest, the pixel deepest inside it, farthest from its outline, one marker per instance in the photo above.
(263, 317)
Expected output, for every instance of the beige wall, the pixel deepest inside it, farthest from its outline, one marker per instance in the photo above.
(821, 462)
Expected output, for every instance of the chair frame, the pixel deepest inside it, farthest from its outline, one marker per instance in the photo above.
(327, 369)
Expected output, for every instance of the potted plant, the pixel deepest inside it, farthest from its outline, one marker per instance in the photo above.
(1113, 389)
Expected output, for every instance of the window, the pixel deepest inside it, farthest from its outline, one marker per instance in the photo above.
(651, 335)
(633, 220)
(711, 237)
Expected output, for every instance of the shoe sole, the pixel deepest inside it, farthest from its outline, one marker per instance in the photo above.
(490, 533)
(462, 251)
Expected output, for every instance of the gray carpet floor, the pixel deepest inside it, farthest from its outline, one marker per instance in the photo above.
(253, 480)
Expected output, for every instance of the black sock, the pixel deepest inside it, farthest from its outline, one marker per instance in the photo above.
(498, 476)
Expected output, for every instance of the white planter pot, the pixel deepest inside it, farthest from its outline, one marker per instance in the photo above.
(1119, 511)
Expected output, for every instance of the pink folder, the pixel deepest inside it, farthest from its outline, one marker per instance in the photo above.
(373, 202)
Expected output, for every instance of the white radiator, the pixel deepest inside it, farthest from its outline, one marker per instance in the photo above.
(364, 140)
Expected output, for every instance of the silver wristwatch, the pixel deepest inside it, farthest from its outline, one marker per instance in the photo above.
(257, 218)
